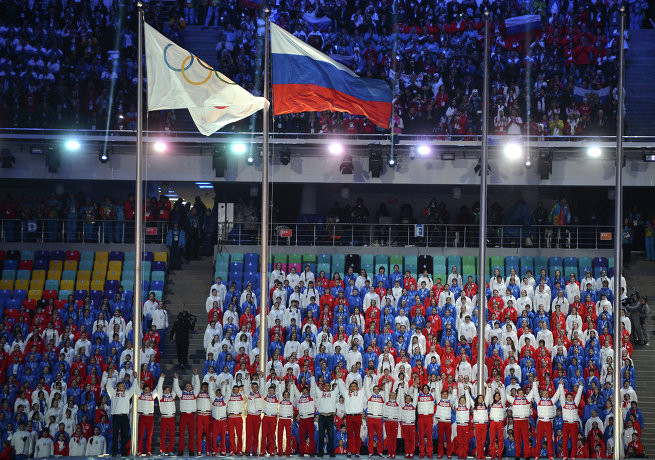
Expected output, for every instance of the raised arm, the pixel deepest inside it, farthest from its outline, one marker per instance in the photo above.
(196, 382)
(176, 387)
(578, 395)
(159, 391)
(111, 391)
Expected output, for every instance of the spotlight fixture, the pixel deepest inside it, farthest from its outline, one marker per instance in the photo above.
(285, 157)
(335, 148)
(52, 159)
(545, 164)
(423, 149)
(7, 160)
(478, 168)
(219, 163)
(392, 161)
(346, 166)
(512, 151)
(648, 156)
(160, 146)
(528, 160)
(103, 157)
(72, 145)
(250, 159)
(239, 148)
(375, 163)
(594, 152)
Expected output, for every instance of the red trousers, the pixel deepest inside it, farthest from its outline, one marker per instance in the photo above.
(425, 425)
(253, 422)
(167, 427)
(570, 431)
(409, 435)
(235, 432)
(203, 423)
(480, 438)
(445, 433)
(218, 428)
(187, 423)
(268, 435)
(544, 429)
(496, 434)
(391, 441)
(146, 423)
(306, 427)
(284, 427)
(521, 437)
(374, 426)
(463, 440)
(354, 426)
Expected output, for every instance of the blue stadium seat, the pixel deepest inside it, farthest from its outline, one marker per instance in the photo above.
(158, 266)
(5, 294)
(14, 304)
(112, 284)
(117, 255)
(80, 294)
(11, 264)
(540, 263)
(456, 261)
(43, 255)
(149, 256)
(512, 262)
(157, 285)
(527, 263)
(58, 255)
(40, 264)
(20, 294)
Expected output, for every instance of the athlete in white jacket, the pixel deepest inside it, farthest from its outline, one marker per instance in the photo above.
(120, 408)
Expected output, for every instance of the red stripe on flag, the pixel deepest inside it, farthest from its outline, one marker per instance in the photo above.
(293, 98)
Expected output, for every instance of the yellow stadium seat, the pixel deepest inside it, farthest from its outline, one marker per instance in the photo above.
(37, 285)
(99, 275)
(35, 294)
(70, 265)
(38, 275)
(115, 265)
(98, 285)
(102, 255)
(54, 274)
(67, 285)
(114, 275)
(100, 265)
(22, 284)
(7, 285)
(82, 285)
(84, 275)
(56, 265)
(161, 256)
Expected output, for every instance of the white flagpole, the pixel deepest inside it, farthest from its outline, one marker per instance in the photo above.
(138, 224)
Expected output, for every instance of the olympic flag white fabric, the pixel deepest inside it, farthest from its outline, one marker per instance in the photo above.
(179, 80)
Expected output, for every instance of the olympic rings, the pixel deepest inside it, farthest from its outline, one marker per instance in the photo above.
(203, 64)
(218, 75)
(182, 69)
(170, 66)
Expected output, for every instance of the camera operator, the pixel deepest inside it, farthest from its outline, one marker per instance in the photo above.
(634, 307)
(185, 323)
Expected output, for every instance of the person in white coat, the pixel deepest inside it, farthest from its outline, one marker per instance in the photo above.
(96, 445)
(44, 447)
(120, 407)
(77, 444)
(21, 441)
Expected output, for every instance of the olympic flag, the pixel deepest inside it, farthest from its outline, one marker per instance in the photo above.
(178, 79)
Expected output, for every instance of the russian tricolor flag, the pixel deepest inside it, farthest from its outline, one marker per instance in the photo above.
(520, 26)
(306, 80)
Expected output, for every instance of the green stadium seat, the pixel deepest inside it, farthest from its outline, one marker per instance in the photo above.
(236, 257)
(584, 263)
(338, 263)
(469, 260)
(499, 263)
(540, 263)
(308, 259)
(411, 264)
(396, 259)
(24, 275)
(456, 261)
(323, 266)
(527, 263)
(64, 293)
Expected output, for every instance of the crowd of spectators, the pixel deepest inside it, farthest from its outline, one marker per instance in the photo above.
(431, 54)
(72, 65)
(388, 328)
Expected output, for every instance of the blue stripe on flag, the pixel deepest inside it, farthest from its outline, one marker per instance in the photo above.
(299, 70)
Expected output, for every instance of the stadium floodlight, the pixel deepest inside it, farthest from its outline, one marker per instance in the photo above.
(528, 161)
(336, 148)
(423, 149)
(285, 157)
(72, 145)
(239, 148)
(250, 159)
(160, 146)
(512, 151)
(103, 157)
(648, 156)
(594, 152)
(391, 161)
(347, 166)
